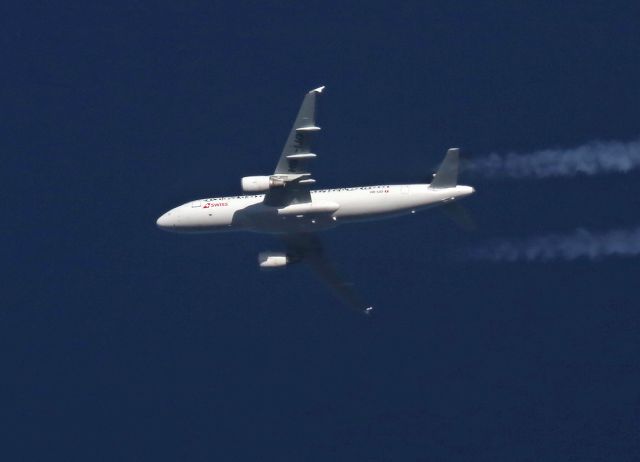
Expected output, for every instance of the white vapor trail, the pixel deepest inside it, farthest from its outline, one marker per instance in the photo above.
(593, 158)
(576, 245)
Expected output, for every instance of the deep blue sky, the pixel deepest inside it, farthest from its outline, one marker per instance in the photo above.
(121, 342)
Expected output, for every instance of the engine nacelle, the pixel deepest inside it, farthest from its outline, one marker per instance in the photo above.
(260, 183)
(272, 259)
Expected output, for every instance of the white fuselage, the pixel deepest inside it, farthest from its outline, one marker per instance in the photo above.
(328, 208)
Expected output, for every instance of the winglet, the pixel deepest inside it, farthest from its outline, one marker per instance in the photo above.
(447, 174)
(317, 90)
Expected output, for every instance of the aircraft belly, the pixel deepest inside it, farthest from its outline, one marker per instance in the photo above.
(290, 219)
(391, 205)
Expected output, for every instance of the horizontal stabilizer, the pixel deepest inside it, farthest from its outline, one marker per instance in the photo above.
(459, 215)
(447, 174)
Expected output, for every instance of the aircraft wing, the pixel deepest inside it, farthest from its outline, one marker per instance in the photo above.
(307, 248)
(293, 165)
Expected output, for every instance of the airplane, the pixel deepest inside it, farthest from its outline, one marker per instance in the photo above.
(285, 204)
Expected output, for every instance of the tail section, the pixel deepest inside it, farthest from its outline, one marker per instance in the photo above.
(447, 174)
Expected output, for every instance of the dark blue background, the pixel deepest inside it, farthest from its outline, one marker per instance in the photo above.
(121, 342)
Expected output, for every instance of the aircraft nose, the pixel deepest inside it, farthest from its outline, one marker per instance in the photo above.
(165, 221)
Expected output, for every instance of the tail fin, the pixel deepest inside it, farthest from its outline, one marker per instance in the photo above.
(447, 174)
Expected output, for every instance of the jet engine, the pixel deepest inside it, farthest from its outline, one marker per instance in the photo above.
(272, 259)
(260, 183)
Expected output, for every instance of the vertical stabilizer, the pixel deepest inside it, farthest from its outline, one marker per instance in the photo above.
(447, 174)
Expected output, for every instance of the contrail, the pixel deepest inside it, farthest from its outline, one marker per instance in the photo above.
(580, 244)
(593, 158)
